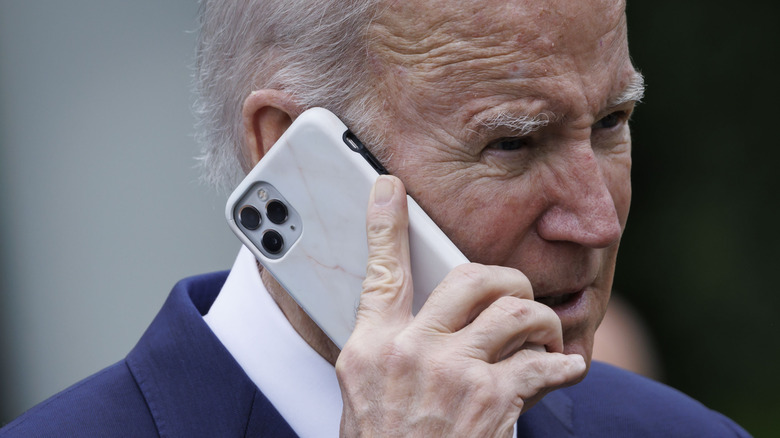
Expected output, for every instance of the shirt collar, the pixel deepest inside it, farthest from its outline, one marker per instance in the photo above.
(295, 379)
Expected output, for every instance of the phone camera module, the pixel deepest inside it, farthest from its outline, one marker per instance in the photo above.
(273, 241)
(276, 212)
(250, 218)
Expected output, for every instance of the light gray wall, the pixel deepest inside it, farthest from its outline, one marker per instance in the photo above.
(100, 208)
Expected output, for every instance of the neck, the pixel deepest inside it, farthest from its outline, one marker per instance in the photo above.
(300, 321)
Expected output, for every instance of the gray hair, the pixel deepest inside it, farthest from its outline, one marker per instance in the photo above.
(313, 49)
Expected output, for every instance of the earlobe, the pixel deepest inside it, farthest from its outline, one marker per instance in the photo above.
(267, 114)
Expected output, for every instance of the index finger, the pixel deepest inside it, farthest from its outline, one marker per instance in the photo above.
(466, 292)
(387, 289)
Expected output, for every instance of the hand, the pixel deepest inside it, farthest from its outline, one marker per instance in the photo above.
(461, 367)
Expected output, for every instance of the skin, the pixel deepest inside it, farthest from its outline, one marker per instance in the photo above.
(540, 213)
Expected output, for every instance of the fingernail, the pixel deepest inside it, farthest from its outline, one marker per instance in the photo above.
(383, 190)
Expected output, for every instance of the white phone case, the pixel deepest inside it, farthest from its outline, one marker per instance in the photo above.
(326, 185)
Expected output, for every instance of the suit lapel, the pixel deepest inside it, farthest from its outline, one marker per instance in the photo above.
(192, 385)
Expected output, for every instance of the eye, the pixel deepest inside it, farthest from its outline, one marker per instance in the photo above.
(510, 144)
(611, 120)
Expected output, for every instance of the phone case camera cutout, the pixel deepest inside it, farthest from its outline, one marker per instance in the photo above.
(268, 220)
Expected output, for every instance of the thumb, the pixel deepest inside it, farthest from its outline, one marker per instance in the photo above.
(387, 289)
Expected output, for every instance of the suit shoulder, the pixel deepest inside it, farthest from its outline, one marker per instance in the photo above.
(616, 399)
(106, 404)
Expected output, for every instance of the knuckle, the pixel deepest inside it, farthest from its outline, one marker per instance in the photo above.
(380, 227)
(344, 365)
(472, 275)
(398, 356)
(384, 274)
(478, 377)
(513, 307)
(537, 367)
(548, 370)
(392, 356)
(487, 392)
(476, 276)
(468, 276)
(352, 360)
(534, 373)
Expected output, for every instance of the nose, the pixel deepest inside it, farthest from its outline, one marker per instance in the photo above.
(580, 207)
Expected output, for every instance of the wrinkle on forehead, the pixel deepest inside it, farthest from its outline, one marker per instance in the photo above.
(422, 27)
(441, 44)
(439, 56)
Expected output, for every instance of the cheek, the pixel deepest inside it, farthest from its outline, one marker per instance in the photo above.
(484, 218)
(617, 176)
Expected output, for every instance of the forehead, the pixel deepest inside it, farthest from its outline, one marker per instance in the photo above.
(418, 20)
(571, 54)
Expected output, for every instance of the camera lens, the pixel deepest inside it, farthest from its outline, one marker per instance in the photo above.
(272, 241)
(250, 217)
(276, 212)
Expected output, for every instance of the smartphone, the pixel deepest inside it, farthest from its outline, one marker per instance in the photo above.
(302, 213)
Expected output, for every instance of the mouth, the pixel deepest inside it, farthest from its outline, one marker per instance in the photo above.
(559, 302)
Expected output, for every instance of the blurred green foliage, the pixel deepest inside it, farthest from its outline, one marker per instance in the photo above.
(699, 255)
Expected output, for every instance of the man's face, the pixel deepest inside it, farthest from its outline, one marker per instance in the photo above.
(463, 83)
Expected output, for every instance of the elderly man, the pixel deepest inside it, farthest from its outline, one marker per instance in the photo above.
(508, 122)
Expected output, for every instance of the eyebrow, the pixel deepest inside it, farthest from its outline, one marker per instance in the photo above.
(526, 124)
(634, 91)
(519, 125)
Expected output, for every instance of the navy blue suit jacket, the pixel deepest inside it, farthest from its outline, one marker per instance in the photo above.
(180, 381)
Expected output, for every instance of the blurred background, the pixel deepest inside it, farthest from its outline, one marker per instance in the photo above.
(101, 211)
(699, 259)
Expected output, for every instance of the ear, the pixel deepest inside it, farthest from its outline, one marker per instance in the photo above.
(267, 114)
